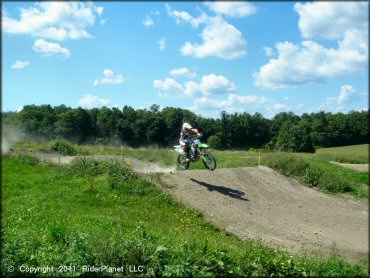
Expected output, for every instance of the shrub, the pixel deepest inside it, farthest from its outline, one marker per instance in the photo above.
(333, 183)
(63, 146)
(116, 171)
(286, 163)
(312, 176)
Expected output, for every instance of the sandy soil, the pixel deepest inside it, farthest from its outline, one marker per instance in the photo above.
(260, 203)
(357, 167)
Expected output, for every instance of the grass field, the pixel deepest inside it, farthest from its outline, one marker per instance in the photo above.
(348, 154)
(100, 213)
(314, 170)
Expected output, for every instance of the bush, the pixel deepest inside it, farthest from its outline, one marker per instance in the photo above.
(116, 171)
(311, 172)
(312, 176)
(288, 164)
(63, 146)
(333, 183)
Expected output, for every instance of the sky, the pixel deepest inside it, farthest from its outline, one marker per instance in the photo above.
(208, 57)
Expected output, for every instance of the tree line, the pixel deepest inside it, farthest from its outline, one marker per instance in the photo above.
(154, 126)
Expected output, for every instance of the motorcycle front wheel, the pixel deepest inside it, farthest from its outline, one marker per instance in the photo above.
(181, 159)
(209, 161)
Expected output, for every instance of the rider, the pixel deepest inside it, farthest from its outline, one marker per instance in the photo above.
(187, 130)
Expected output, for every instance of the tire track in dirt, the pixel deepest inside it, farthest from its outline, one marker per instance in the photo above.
(257, 202)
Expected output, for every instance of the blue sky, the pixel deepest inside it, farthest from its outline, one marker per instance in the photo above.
(207, 57)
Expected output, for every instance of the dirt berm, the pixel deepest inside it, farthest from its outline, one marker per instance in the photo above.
(257, 202)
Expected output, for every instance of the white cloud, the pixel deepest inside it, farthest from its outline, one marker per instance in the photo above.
(50, 48)
(99, 10)
(167, 84)
(148, 21)
(162, 44)
(240, 103)
(90, 101)
(347, 94)
(103, 21)
(209, 85)
(183, 72)
(54, 20)
(181, 16)
(232, 9)
(213, 84)
(311, 62)
(20, 64)
(342, 103)
(109, 78)
(330, 20)
(220, 39)
(169, 88)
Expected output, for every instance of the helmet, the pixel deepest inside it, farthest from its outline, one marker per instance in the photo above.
(186, 126)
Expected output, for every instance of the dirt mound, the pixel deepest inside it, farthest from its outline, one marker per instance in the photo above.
(260, 203)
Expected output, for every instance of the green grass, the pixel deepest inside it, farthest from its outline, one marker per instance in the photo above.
(313, 170)
(316, 172)
(348, 154)
(63, 146)
(100, 213)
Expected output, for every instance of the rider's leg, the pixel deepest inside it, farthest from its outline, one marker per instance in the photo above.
(187, 151)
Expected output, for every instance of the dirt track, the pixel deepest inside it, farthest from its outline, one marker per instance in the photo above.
(356, 167)
(260, 203)
(257, 202)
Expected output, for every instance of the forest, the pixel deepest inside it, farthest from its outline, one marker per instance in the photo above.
(161, 127)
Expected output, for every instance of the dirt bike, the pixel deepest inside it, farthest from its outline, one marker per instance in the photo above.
(198, 150)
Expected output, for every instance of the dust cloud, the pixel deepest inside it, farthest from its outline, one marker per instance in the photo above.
(10, 136)
(146, 168)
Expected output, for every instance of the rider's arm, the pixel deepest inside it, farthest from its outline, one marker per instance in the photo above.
(196, 131)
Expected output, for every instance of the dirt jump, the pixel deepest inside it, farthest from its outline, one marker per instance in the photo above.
(257, 202)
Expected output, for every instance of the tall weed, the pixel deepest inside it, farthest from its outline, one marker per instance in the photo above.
(63, 146)
(310, 171)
